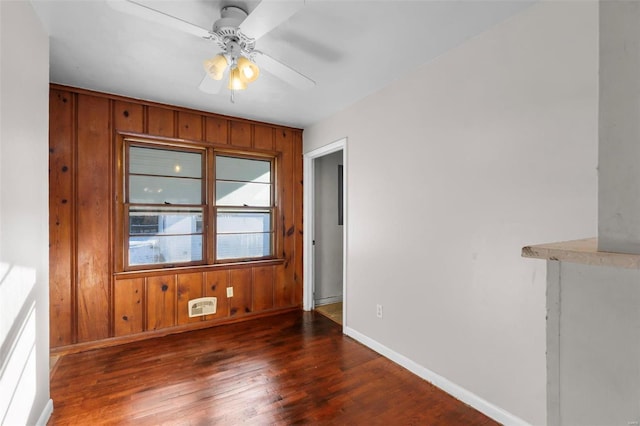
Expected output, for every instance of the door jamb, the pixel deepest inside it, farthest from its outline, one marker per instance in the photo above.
(308, 218)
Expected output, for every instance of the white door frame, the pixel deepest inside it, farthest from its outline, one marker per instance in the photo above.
(308, 218)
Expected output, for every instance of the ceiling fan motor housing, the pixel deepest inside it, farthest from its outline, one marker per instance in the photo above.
(230, 17)
(229, 37)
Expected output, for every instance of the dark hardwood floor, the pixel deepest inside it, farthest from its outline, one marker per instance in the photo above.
(295, 368)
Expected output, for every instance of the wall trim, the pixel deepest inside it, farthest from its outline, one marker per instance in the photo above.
(328, 300)
(46, 413)
(458, 392)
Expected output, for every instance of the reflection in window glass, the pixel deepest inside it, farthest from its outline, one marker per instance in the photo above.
(157, 249)
(243, 234)
(161, 190)
(164, 162)
(236, 221)
(164, 220)
(164, 176)
(159, 234)
(236, 246)
(243, 194)
(242, 169)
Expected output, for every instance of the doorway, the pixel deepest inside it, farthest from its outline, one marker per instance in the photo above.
(325, 222)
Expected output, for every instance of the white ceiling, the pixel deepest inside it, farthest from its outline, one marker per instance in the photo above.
(350, 48)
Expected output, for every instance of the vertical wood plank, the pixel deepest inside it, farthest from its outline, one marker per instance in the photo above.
(119, 248)
(85, 304)
(160, 122)
(262, 288)
(216, 130)
(161, 302)
(128, 303)
(93, 201)
(240, 303)
(189, 287)
(128, 116)
(263, 137)
(284, 284)
(189, 126)
(216, 283)
(298, 191)
(61, 230)
(240, 134)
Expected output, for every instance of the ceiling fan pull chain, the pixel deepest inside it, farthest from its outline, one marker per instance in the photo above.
(233, 96)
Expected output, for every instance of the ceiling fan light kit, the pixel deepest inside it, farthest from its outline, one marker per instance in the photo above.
(216, 66)
(238, 56)
(235, 80)
(242, 70)
(249, 71)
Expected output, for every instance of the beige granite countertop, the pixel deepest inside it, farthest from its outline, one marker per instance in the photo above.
(581, 251)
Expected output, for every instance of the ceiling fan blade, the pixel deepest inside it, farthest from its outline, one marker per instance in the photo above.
(282, 71)
(211, 86)
(268, 15)
(131, 7)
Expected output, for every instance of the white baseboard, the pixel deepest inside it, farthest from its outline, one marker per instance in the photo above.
(46, 413)
(469, 398)
(328, 300)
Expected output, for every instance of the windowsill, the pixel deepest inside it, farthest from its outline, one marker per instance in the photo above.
(583, 251)
(198, 268)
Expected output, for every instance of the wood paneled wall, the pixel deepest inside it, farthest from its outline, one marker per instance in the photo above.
(93, 302)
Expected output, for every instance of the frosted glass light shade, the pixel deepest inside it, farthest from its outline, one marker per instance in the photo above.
(215, 66)
(235, 81)
(249, 71)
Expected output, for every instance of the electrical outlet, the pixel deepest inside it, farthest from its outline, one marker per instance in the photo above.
(379, 311)
(229, 291)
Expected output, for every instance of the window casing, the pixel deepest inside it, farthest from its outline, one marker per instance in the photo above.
(190, 205)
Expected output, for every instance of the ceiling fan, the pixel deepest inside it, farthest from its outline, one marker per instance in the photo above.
(234, 36)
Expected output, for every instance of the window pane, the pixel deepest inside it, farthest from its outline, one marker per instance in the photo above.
(156, 249)
(243, 221)
(164, 162)
(160, 190)
(167, 221)
(243, 194)
(140, 224)
(243, 169)
(235, 246)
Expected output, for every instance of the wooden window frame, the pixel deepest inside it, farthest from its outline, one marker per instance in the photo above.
(209, 232)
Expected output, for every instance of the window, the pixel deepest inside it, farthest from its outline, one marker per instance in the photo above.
(165, 207)
(167, 214)
(244, 208)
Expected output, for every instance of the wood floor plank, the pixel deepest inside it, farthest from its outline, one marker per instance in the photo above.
(294, 368)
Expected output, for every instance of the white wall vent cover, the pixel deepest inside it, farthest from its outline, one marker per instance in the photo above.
(202, 306)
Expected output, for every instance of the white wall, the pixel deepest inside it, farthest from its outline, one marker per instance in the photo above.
(328, 249)
(452, 170)
(24, 233)
(619, 170)
(594, 345)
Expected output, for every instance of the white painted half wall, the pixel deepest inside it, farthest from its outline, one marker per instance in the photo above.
(451, 170)
(24, 218)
